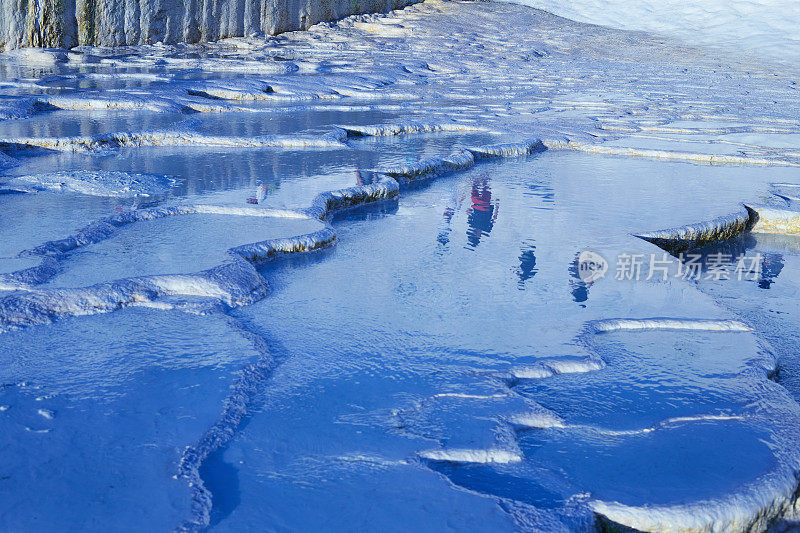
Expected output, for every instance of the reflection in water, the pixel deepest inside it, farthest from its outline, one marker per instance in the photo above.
(481, 218)
(542, 191)
(366, 177)
(741, 258)
(730, 249)
(527, 263)
(578, 287)
(484, 479)
(771, 266)
(208, 170)
(482, 214)
(444, 232)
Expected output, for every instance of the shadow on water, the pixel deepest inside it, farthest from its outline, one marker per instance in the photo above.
(220, 477)
(371, 211)
(222, 480)
(486, 480)
(758, 259)
(763, 260)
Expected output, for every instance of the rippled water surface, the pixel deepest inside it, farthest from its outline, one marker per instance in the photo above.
(336, 280)
(480, 282)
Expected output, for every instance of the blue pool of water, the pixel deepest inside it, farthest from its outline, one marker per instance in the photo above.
(410, 338)
(387, 359)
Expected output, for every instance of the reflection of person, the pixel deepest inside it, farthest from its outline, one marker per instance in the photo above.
(578, 287)
(527, 264)
(482, 214)
(260, 195)
(444, 231)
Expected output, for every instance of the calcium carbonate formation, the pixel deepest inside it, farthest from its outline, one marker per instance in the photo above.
(760, 219)
(68, 23)
(236, 281)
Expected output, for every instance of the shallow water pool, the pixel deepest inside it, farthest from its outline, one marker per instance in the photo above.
(401, 341)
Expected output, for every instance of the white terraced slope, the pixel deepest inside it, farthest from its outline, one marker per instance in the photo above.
(67, 23)
(759, 27)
